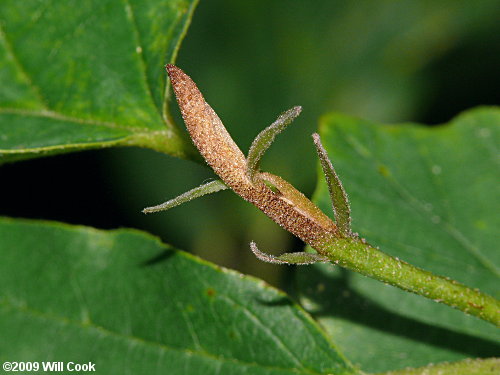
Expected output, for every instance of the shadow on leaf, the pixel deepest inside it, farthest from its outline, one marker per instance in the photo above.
(336, 298)
(161, 257)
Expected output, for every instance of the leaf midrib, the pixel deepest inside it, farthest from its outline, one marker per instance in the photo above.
(137, 35)
(50, 113)
(77, 120)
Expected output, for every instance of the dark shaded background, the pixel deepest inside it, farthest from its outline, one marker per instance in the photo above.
(386, 61)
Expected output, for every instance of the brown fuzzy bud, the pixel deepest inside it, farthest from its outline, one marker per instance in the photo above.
(207, 131)
(286, 206)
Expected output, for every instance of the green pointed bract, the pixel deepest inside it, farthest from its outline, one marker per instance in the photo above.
(288, 258)
(266, 137)
(341, 209)
(208, 188)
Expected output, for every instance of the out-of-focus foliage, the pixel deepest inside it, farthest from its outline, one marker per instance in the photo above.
(385, 61)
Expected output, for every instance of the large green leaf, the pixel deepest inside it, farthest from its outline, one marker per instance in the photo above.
(84, 74)
(130, 304)
(426, 195)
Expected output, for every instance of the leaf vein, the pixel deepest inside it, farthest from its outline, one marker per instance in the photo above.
(131, 15)
(61, 117)
(134, 340)
(411, 200)
(10, 51)
(280, 343)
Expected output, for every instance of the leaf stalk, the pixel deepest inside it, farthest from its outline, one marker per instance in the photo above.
(359, 256)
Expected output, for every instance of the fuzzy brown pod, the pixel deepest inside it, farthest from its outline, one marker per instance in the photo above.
(278, 199)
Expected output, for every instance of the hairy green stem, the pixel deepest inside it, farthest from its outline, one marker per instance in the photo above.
(488, 366)
(294, 212)
(356, 255)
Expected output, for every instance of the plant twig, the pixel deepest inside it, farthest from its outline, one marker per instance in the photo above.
(294, 212)
(357, 255)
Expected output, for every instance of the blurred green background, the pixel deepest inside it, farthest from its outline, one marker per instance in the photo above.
(386, 61)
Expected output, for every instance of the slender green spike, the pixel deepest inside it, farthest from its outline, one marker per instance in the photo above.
(208, 188)
(262, 142)
(341, 209)
(288, 258)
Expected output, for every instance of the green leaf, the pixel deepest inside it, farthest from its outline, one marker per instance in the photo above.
(428, 196)
(130, 304)
(78, 75)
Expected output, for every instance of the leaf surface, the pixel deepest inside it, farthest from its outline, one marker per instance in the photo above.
(77, 75)
(427, 195)
(130, 304)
